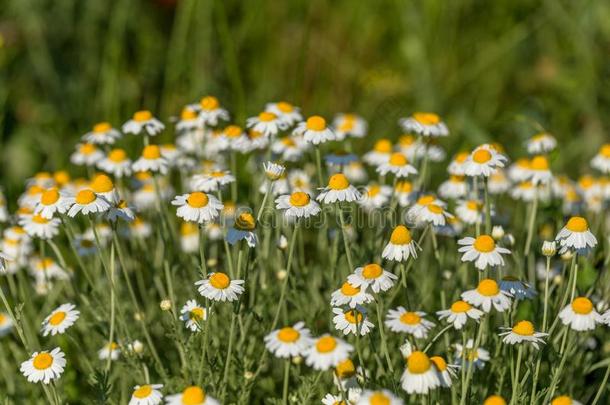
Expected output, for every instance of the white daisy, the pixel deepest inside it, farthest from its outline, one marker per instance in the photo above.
(457, 166)
(523, 331)
(401, 245)
(297, 204)
(189, 237)
(486, 294)
(498, 183)
(192, 395)
(44, 366)
(379, 397)
(220, 287)
(110, 350)
(116, 163)
(39, 227)
(482, 250)
(244, 228)
(601, 161)
(458, 314)
(121, 210)
(425, 124)
(47, 269)
(375, 196)
(212, 181)
(6, 324)
(60, 319)
(539, 172)
(576, 235)
(350, 295)
(419, 376)
(421, 203)
(287, 112)
(290, 341)
(267, 123)
(580, 315)
(315, 130)
(374, 276)
(143, 121)
(432, 214)
(453, 188)
(330, 399)
(210, 111)
(484, 161)
(148, 394)
(87, 202)
(541, 143)
(467, 355)
(326, 352)
(352, 321)
(445, 372)
(193, 315)
(102, 134)
(188, 122)
(86, 154)
(402, 321)
(349, 125)
(398, 165)
(151, 160)
(197, 207)
(273, 171)
(338, 189)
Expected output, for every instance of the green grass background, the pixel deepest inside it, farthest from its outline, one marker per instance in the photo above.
(493, 68)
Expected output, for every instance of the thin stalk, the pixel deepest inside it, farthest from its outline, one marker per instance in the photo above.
(530, 227)
(286, 380)
(280, 304)
(384, 346)
(516, 384)
(602, 386)
(346, 241)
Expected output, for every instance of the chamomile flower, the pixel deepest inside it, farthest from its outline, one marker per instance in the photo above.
(352, 321)
(523, 331)
(494, 400)
(404, 193)
(140, 228)
(355, 172)
(541, 143)
(398, 165)
(6, 324)
(382, 150)
(60, 319)
(212, 181)
(110, 350)
(116, 163)
(420, 204)
(457, 166)
(539, 171)
(219, 287)
(44, 366)
(453, 188)
(445, 372)
(330, 399)
(315, 130)
(151, 160)
(244, 228)
(39, 227)
(374, 276)
(482, 250)
(432, 214)
(287, 112)
(483, 161)
(350, 295)
(467, 355)
(143, 122)
(121, 210)
(193, 315)
(189, 237)
(44, 269)
(575, 235)
(210, 111)
(402, 321)
(102, 134)
(601, 161)
(565, 400)
(267, 123)
(486, 294)
(188, 122)
(401, 245)
(580, 315)
(86, 154)
(289, 341)
(197, 207)
(419, 376)
(498, 183)
(148, 394)
(375, 196)
(349, 125)
(518, 289)
(338, 189)
(299, 180)
(327, 351)
(425, 124)
(102, 186)
(470, 212)
(87, 202)
(192, 395)
(379, 397)
(297, 204)
(273, 171)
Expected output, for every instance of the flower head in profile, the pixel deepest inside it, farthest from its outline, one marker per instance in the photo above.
(483, 251)
(244, 228)
(411, 322)
(197, 207)
(338, 189)
(601, 161)
(287, 112)
(297, 205)
(401, 245)
(419, 376)
(210, 111)
(424, 123)
(541, 143)
(192, 395)
(374, 276)
(315, 130)
(289, 341)
(575, 235)
(486, 295)
(148, 394)
(267, 123)
(380, 154)
(523, 331)
(484, 161)
(60, 319)
(348, 124)
(102, 133)
(379, 397)
(143, 122)
(273, 170)
(580, 315)
(398, 165)
(87, 202)
(151, 160)
(350, 295)
(459, 313)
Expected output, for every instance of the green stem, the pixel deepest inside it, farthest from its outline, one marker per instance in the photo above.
(346, 242)
(286, 380)
(285, 283)
(516, 383)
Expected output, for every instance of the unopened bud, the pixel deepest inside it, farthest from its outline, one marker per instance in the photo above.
(281, 274)
(567, 255)
(282, 242)
(549, 248)
(297, 360)
(166, 305)
(497, 232)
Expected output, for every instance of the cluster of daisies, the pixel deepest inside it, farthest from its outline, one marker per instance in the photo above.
(196, 179)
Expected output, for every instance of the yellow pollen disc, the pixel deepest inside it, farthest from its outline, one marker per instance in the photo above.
(151, 152)
(87, 148)
(347, 125)
(187, 114)
(188, 228)
(288, 335)
(39, 220)
(102, 184)
(61, 177)
(353, 316)
(484, 244)
(102, 127)
(372, 271)
(410, 318)
(50, 196)
(245, 222)
(193, 396)
(439, 362)
(299, 199)
(84, 197)
(57, 318)
(316, 123)
(404, 187)
(326, 344)
(488, 288)
(209, 103)
(141, 116)
(142, 176)
(425, 200)
(345, 369)
(383, 146)
(524, 328)
(406, 140)
(379, 398)
(197, 199)
(605, 150)
(582, 306)
(418, 363)
(526, 185)
(42, 361)
(473, 205)
(266, 116)
(494, 400)
(233, 131)
(349, 290)
(539, 163)
(3, 319)
(586, 181)
(456, 179)
(284, 107)
(220, 281)
(460, 307)
(400, 235)
(338, 182)
(461, 157)
(398, 159)
(481, 155)
(426, 118)
(562, 400)
(254, 134)
(373, 190)
(143, 392)
(577, 224)
(196, 314)
(435, 209)
(289, 142)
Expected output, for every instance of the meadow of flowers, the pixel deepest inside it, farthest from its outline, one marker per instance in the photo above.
(289, 259)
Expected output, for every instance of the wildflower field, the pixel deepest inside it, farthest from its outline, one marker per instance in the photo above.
(308, 202)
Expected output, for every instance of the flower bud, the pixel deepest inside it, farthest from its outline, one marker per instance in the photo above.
(549, 248)
(297, 360)
(281, 274)
(567, 255)
(282, 242)
(165, 305)
(510, 239)
(248, 375)
(497, 232)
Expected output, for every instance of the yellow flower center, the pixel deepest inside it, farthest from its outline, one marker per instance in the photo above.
(582, 306)
(87, 148)
(338, 182)
(288, 335)
(539, 163)
(151, 152)
(481, 155)
(484, 244)
(187, 114)
(102, 184)
(61, 177)
(353, 316)
(577, 224)
(398, 159)
(426, 118)
(372, 271)
(410, 318)
(435, 209)
(316, 123)
(220, 281)
(383, 146)
(425, 200)
(266, 116)
(233, 131)
(473, 205)
(117, 155)
(439, 362)
(345, 369)
(461, 157)
(284, 107)
(349, 290)
(49, 196)
(326, 344)
(418, 362)
(143, 392)
(197, 199)
(102, 127)
(460, 306)
(245, 222)
(193, 396)
(209, 103)
(188, 228)
(524, 328)
(299, 199)
(379, 398)
(488, 288)
(404, 187)
(373, 190)
(197, 314)
(84, 197)
(406, 140)
(605, 150)
(401, 235)
(141, 116)
(288, 142)
(39, 220)
(494, 400)
(57, 318)
(43, 361)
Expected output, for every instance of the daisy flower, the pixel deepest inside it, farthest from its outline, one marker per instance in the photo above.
(349, 125)
(151, 160)
(243, 229)
(522, 331)
(402, 321)
(188, 121)
(197, 207)
(432, 214)
(297, 204)
(467, 355)
(352, 321)
(565, 400)
(102, 186)
(143, 121)
(541, 143)
(356, 172)
(486, 294)
(39, 227)
(401, 245)
(116, 163)
(287, 112)
(372, 275)
(47, 269)
(494, 400)
(382, 150)
(380, 397)
(267, 123)
(498, 183)
(576, 235)
(86, 154)
(219, 287)
(102, 134)
(288, 148)
(330, 399)
(87, 202)
(110, 350)
(445, 372)
(404, 193)
(193, 315)
(539, 172)
(601, 161)
(453, 188)
(121, 210)
(375, 196)
(338, 189)
(482, 250)
(6, 324)
(210, 111)
(298, 180)
(425, 124)
(273, 171)
(148, 394)
(419, 376)
(192, 395)
(470, 212)
(212, 181)
(483, 161)
(421, 203)
(44, 366)
(290, 341)
(350, 295)
(580, 315)
(398, 165)
(315, 130)
(60, 319)
(327, 351)
(457, 166)
(189, 237)
(518, 289)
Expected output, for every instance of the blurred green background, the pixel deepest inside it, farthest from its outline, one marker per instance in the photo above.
(491, 68)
